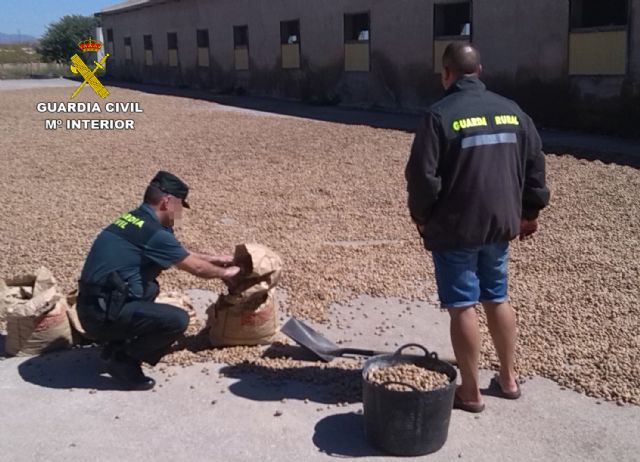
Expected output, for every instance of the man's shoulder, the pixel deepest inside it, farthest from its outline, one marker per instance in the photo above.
(107, 241)
(506, 102)
(162, 236)
(442, 104)
(164, 248)
(453, 104)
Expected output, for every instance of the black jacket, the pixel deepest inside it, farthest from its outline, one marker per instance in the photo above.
(476, 168)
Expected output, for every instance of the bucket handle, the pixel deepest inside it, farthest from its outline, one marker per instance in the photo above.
(396, 382)
(432, 355)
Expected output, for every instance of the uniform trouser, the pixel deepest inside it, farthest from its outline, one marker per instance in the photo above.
(143, 330)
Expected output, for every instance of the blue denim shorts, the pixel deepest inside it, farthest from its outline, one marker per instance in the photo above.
(471, 275)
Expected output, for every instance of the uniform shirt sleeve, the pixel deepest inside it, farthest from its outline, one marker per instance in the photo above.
(164, 249)
(423, 182)
(535, 195)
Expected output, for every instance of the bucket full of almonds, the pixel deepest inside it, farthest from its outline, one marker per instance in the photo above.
(407, 401)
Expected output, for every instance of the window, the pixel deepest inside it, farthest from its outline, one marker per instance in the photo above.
(598, 13)
(172, 41)
(598, 41)
(109, 45)
(356, 27)
(451, 23)
(290, 44)
(202, 40)
(357, 34)
(289, 32)
(240, 36)
(148, 50)
(452, 19)
(127, 49)
(172, 45)
(241, 47)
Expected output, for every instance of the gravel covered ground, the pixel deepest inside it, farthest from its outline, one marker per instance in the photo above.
(330, 199)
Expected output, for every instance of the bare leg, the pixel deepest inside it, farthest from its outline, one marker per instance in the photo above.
(465, 338)
(501, 320)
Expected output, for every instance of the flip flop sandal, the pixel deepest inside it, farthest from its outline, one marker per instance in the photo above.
(496, 390)
(467, 406)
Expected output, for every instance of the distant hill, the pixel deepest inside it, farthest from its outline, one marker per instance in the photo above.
(15, 38)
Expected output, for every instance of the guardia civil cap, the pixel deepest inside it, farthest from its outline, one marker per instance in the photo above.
(171, 184)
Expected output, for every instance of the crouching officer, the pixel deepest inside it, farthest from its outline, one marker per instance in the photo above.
(118, 286)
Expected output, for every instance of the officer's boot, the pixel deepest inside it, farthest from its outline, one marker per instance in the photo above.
(127, 370)
(109, 349)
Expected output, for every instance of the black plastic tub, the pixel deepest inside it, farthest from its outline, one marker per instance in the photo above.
(407, 423)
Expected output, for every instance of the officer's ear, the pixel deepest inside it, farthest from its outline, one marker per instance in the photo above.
(164, 202)
(445, 76)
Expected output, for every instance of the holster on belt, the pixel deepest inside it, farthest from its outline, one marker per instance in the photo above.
(111, 295)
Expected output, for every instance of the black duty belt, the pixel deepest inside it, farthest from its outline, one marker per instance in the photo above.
(111, 296)
(89, 289)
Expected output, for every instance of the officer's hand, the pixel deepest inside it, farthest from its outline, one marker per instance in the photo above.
(528, 228)
(230, 273)
(221, 260)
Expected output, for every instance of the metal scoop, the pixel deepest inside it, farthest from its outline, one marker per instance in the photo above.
(318, 344)
(322, 347)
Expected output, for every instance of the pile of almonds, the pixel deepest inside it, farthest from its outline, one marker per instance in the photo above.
(417, 377)
(330, 198)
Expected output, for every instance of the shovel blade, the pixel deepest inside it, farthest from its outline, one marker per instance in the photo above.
(310, 339)
(313, 341)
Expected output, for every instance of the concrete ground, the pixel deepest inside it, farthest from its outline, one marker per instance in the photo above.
(62, 407)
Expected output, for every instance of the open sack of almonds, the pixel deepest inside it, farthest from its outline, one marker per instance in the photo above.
(36, 314)
(247, 314)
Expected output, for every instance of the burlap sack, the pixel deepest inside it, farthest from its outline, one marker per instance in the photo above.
(79, 335)
(261, 269)
(36, 314)
(251, 322)
(28, 295)
(248, 314)
(32, 335)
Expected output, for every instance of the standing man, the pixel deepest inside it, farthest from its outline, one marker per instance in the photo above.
(118, 286)
(476, 180)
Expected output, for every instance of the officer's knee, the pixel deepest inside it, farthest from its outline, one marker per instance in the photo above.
(180, 321)
(172, 319)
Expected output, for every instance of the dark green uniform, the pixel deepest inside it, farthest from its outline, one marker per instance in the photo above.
(134, 250)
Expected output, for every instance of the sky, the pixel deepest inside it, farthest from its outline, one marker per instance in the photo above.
(31, 17)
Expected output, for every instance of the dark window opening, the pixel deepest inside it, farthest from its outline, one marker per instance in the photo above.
(202, 37)
(356, 27)
(172, 40)
(452, 19)
(599, 13)
(240, 36)
(148, 42)
(127, 41)
(289, 32)
(109, 35)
